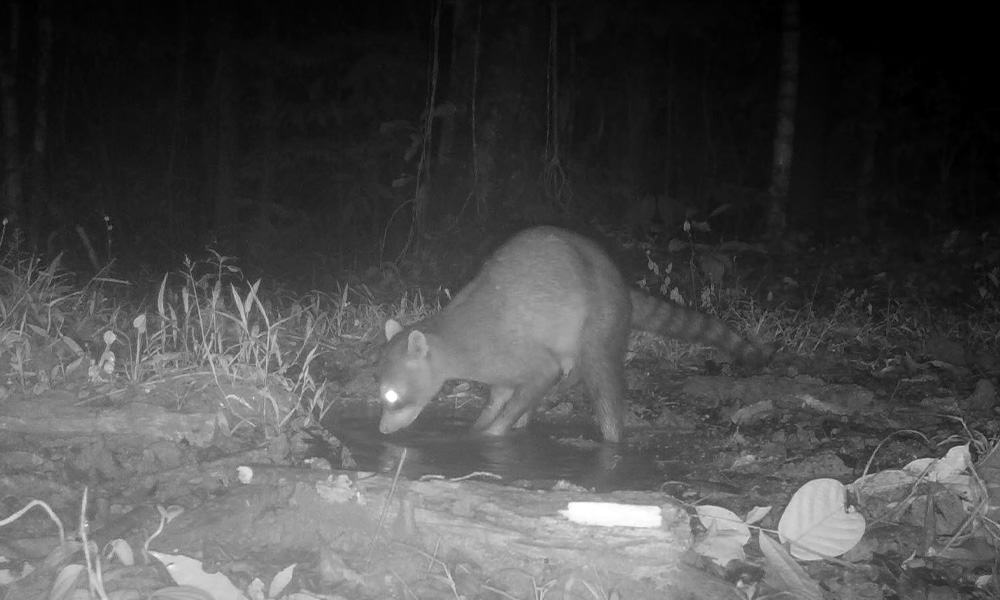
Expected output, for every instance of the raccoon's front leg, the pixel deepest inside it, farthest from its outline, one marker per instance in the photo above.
(519, 404)
(499, 396)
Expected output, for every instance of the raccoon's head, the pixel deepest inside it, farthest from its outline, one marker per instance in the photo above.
(406, 377)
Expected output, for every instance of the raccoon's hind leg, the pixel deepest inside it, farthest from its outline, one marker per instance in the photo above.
(603, 371)
(507, 408)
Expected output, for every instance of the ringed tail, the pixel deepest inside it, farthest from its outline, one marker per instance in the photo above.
(673, 320)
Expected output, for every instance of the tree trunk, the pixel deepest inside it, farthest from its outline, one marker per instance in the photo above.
(269, 134)
(174, 216)
(421, 195)
(13, 200)
(269, 112)
(225, 150)
(37, 172)
(456, 88)
(870, 126)
(784, 137)
(639, 120)
(658, 224)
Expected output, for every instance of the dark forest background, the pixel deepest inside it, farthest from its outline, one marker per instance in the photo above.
(296, 133)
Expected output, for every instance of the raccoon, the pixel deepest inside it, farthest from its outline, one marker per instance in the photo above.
(549, 304)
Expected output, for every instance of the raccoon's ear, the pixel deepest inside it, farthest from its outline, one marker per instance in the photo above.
(417, 344)
(392, 327)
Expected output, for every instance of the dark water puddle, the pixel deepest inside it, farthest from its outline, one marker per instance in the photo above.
(537, 458)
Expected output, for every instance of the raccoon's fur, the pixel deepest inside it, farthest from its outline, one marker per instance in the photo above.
(548, 304)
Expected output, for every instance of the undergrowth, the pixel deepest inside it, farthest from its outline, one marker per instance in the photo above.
(206, 319)
(807, 322)
(203, 320)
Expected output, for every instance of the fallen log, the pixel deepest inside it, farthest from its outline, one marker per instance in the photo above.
(510, 537)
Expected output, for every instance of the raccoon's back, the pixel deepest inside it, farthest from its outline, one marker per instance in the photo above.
(541, 285)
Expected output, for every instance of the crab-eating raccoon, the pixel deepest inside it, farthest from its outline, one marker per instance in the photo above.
(548, 304)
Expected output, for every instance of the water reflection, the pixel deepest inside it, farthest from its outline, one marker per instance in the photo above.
(537, 458)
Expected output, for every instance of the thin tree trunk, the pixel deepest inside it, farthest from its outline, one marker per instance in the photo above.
(657, 224)
(481, 169)
(225, 150)
(784, 137)
(639, 118)
(269, 141)
(456, 85)
(420, 193)
(870, 126)
(668, 125)
(269, 111)
(13, 199)
(570, 96)
(180, 102)
(40, 200)
(710, 166)
(971, 197)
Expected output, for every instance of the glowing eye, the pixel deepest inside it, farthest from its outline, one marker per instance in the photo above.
(391, 396)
